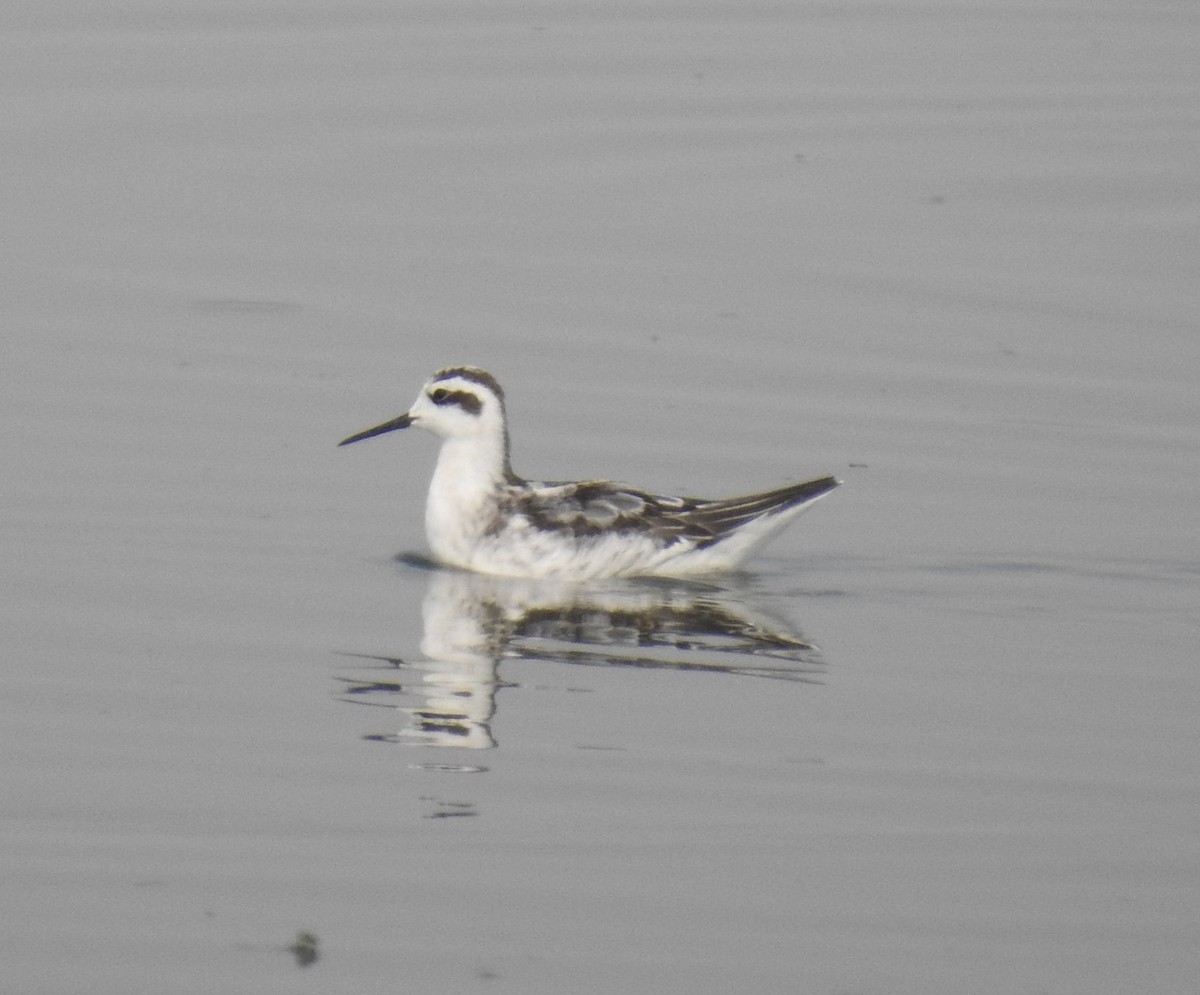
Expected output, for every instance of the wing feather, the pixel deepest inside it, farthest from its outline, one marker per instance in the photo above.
(595, 507)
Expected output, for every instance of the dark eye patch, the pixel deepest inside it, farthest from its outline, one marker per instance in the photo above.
(471, 404)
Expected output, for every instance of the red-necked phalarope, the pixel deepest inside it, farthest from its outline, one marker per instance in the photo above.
(481, 516)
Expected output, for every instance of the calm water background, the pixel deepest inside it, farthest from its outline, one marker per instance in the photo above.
(948, 251)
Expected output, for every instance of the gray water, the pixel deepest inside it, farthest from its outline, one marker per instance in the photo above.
(941, 738)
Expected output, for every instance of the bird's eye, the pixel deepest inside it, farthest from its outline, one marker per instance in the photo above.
(439, 395)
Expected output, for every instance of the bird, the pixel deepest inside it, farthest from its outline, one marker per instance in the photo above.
(480, 516)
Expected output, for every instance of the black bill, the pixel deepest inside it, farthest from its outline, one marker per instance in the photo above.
(388, 426)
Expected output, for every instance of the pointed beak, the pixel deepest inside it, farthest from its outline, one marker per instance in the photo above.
(388, 426)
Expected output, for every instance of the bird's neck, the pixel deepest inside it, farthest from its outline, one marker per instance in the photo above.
(462, 502)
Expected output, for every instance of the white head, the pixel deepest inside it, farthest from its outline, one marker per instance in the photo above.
(458, 403)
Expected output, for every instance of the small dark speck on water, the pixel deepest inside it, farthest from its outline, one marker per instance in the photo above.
(304, 949)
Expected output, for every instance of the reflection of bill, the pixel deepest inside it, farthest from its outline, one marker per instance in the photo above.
(473, 621)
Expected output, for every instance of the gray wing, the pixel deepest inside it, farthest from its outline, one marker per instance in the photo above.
(601, 506)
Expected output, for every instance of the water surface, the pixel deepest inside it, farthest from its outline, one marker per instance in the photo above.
(942, 738)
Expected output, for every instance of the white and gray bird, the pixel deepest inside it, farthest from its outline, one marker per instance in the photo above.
(481, 516)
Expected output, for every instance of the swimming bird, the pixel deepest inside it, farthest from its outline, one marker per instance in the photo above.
(481, 516)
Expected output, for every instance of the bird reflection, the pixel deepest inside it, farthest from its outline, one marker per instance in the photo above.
(473, 621)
